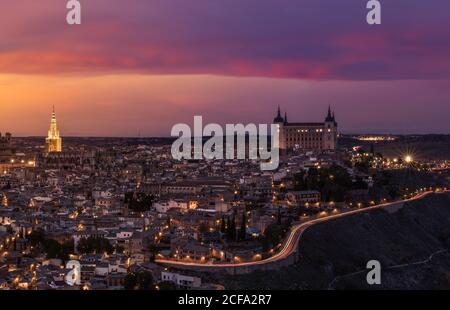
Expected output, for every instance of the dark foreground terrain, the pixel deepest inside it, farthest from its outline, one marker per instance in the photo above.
(411, 244)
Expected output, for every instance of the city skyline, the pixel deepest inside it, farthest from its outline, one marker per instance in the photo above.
(231, 63)
(87, 124)
(223, 146)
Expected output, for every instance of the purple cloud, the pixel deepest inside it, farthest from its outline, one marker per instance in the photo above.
(302, 39)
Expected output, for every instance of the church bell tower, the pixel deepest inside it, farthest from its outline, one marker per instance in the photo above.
(53, 140)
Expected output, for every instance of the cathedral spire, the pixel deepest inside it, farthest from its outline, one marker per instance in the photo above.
(53, 141)
(278, 118)
(53, 114)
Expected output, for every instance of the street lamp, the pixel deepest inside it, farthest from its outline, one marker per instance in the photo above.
(408, 159)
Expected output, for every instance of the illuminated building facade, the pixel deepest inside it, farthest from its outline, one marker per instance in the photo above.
(53, 140)
(67, 160)
(9, 159)
(6, 149)
(376, 138)
(4, 202)
(308, 136)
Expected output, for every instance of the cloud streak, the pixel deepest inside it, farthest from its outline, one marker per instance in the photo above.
(300, 39)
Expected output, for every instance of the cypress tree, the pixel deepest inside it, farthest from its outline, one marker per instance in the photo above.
(228, 228)
(222, 225)
(279, 215)
(242, 231)
(233, 228)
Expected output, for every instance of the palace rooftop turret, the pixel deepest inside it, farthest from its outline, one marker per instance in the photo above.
(307, 136)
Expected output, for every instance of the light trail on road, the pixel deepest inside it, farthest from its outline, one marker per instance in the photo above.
(292, 242)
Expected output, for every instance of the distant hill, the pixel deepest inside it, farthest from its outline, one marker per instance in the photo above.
(344, 246)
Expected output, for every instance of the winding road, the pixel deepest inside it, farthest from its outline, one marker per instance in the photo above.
(292, 241)
(421, 262)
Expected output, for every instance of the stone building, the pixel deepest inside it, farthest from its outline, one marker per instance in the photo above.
(307, 136)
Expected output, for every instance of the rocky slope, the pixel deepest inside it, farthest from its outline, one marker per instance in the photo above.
(411, 244)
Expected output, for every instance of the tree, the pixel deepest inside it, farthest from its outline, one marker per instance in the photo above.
(363, 166)
(228, 233)
(51, 247)
(272, 236)
(233, 227)
(223, 225)
(372, 149)
(119, 249)
(167, 286)
(203, 227)
(141, 280)
(279, 216)
(139, 202)
(231, 230)
(130, 282)
(153, 249)
(144, 280)
(56, 250)
(97, 245)
(128, 197)
(36, 237)
(332, 182)
(66, 250)
(243, 229)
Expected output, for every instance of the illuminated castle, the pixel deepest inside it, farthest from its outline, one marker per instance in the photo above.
(53, 140)
(308, 136)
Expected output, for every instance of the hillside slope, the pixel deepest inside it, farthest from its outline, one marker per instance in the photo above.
(344, 246)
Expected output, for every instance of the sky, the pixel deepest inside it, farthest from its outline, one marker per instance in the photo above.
(138, 67)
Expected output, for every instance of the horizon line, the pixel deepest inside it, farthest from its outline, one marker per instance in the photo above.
(175, 137)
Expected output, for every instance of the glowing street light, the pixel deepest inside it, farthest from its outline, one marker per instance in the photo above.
(408, 159)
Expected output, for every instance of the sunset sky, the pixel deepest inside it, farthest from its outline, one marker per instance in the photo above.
(140, 66)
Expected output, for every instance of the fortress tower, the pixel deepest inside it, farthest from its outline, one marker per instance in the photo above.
(307, 136)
